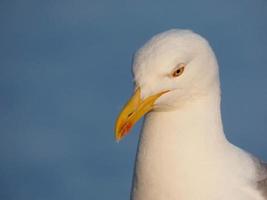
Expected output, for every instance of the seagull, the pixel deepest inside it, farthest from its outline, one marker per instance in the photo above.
(183, 153)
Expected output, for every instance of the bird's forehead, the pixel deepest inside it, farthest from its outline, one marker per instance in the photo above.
(158, 60)
(163, 52)
(160, 57)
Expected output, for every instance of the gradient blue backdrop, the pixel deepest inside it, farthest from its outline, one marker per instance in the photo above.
(65, 73)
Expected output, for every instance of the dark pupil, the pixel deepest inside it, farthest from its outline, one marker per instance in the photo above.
(178, 71)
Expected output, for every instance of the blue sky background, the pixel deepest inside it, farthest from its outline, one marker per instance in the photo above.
(65, 73)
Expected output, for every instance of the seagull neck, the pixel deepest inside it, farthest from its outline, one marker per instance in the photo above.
(196, 123)
(172, 143)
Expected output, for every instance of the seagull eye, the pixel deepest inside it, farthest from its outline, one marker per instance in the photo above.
(179, 70)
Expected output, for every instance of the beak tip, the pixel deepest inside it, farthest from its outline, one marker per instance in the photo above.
(118, 137)
(117, 141)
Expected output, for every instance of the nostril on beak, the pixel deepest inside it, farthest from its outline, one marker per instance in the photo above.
(130, 114)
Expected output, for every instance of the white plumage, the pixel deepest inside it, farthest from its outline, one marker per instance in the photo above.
(183, 153)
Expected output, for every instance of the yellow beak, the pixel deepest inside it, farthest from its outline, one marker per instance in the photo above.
(132, 112)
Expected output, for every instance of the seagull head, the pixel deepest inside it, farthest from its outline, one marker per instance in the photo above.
(172, 68)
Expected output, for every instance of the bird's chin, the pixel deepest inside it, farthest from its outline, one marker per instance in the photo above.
(165, 108)
(169, 102)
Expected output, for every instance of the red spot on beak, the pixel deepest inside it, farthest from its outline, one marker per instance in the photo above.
(126, 128)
